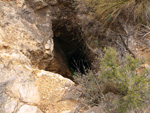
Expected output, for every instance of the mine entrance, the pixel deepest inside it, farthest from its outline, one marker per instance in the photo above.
(72, 44)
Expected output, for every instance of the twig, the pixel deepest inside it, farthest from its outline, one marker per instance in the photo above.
(92, 50)
(127, 48)
(101, 93)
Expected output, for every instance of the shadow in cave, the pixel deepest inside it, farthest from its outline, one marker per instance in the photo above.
(68, 36)
(78, 62)
(74, 49)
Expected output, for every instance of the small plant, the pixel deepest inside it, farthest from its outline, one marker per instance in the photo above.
(91, 90)
(131, 85)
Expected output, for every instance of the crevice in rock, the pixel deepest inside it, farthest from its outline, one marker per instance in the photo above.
(74, 51)
(69, 50)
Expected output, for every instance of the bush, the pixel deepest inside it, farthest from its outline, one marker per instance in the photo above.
(128, 82)
(133, 86)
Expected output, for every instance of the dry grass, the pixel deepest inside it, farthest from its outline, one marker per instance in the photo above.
(109, 10)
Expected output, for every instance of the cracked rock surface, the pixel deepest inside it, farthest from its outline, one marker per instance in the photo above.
(26, 45)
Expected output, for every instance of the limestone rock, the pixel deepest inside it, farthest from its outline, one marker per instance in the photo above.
(25, 45)
(26, 32)
(10, 105)
(59, 63)
(29, 109)
(52, 88)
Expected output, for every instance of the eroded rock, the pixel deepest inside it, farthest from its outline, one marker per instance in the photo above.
(29, 109)
(25, 45)
(52, 88)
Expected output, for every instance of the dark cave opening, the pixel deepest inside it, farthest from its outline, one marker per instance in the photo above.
(73, 47)
(74, 54)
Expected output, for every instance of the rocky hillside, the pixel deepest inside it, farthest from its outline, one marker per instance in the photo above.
(26, 49)
(44, 42)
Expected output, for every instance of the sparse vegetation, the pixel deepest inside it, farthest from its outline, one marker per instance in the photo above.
(109, 10)
(132, 85)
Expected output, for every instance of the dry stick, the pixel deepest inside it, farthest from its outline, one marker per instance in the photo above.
(92, 50)
(101, 93)
(129, 17)
(126, 46)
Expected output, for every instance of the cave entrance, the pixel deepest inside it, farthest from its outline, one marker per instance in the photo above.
(72, 44)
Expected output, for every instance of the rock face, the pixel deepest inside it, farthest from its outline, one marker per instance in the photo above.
(30, 58)
(59, 63)
(23, 28)
(26, 46)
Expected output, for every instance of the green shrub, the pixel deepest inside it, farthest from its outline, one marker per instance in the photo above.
(132, 86)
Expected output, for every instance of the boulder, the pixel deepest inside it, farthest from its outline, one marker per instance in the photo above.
(29, 109)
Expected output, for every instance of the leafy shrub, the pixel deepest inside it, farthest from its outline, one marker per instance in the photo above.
(133, 86)
(128, 82)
